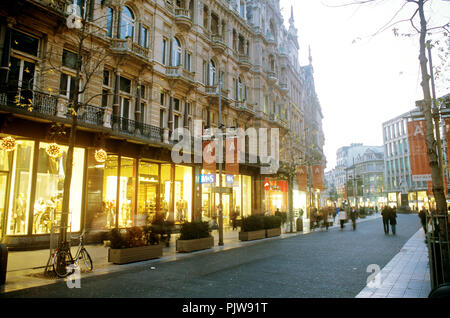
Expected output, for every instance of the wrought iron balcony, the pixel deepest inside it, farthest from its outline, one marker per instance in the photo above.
(137, 129)
(31, 101)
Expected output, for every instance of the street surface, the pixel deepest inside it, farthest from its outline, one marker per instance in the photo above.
(329, 264)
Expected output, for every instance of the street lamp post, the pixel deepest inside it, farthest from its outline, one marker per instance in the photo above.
(220, 164)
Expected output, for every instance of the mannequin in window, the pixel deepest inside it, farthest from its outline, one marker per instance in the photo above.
(19, 214)
(39, 210)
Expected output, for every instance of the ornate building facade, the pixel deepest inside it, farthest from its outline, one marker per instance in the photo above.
(148, 67)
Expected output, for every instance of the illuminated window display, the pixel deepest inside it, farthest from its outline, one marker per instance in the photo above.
(18, 209)
(4, 172)
(165, 197)
(148, 189)
(110, 174)
(183, 193)
(126, 191)
(49, 192)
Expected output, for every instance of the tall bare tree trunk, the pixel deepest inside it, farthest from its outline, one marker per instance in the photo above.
(435, 167)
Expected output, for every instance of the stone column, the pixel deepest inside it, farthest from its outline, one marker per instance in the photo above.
(209, 20)
(116, 102)
(137, 109)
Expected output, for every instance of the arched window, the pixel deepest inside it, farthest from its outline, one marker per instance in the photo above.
(176, 52)
(212, 73)
(127, 23)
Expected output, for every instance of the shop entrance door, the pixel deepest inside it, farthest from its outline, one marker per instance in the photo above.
(3, 191)
(226, 202)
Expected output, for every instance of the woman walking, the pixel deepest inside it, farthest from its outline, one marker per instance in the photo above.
(393, 219)
(342, 218)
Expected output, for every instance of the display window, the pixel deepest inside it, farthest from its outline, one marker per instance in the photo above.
(165, 195)
(127, 191)
(20, 188)
(148, 190)
(109, 190)
(50, 189)
(277, 196)
(5, 157)
(183, 193)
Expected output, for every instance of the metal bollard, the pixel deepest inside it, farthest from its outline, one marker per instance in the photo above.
(3, 263)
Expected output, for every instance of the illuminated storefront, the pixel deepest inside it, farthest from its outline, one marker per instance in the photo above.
(418, 199)
(236, 196)
(32, 185)
(124, 192)
(276, 194)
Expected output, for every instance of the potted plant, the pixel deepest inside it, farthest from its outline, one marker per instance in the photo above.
(252, 228)
(194, 236)
(272, 225)
(133, 245)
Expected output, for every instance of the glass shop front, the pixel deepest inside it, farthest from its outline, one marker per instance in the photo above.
(236, 196)
(124, 192)
(31, 187)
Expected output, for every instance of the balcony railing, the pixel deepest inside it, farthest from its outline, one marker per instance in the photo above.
(180, 71)
(185, 13)
(127, 45)
(30, 100)
(58, 5)
(138, 129)
(89, 114)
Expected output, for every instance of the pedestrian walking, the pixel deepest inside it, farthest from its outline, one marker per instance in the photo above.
(233, 218)
(385, 215)
(353, 216)
(325, 217)
(423, 218)
(393, 219)
(342, 218)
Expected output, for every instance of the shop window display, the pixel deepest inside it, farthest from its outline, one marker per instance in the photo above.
(126, 191)
(165, 197)
(110, 173)
(148, 189)
(183, 193)
(4, 172)
(21, 171)
(50, 189)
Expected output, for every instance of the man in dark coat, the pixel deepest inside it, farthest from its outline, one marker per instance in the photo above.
(423, 219)
(393, 219)
(353, 215)
(385, 215)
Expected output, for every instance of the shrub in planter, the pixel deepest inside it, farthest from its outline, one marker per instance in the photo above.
(194, 236)
(163, 230)
(133, 245)
(252, 228)
(253, 223)
(272, 225)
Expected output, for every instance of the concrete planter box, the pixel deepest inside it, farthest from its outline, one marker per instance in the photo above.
(186, 246)
(252, 235)
(273, 232)
(135, 254)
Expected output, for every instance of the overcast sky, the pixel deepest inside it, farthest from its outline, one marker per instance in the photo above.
(361, 80)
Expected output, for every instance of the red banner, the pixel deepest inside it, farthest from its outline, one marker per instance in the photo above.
(418, 149)
(302, 178)
(209, 156)
(231, 156)
(317, 177)
(447, 133)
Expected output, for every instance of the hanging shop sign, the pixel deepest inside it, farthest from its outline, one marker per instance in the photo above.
(209, 155)
(317, 176)
(302, 179)
(418, 154)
